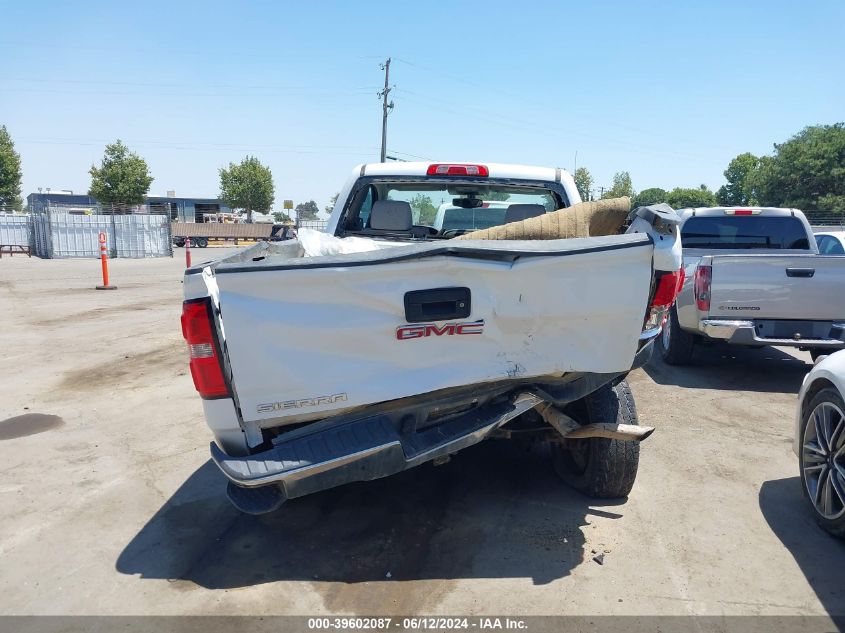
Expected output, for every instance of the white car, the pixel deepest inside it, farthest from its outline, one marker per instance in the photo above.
(831, 242)
(820, 441)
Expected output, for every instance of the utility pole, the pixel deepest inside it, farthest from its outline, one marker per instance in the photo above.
(385, 108)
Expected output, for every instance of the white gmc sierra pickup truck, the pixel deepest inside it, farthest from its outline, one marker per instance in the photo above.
(317, 370)
(754, 276)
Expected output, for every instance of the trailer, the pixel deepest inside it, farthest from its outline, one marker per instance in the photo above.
(200, 233)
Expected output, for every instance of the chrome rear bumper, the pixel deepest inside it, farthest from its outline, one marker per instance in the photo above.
(744, 332)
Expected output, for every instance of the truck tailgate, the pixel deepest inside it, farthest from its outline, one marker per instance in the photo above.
(795, 287)
(312, 337)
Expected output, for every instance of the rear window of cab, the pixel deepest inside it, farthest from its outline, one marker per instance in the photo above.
(744, 232)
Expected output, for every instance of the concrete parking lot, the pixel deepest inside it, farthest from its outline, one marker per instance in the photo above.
(110, 505)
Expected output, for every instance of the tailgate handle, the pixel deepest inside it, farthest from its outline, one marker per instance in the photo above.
(800, 272)
(437, 304)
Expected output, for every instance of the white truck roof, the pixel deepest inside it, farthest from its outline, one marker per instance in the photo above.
(497, 170)
(689, 212)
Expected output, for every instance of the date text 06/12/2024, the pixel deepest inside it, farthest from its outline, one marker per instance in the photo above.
(415, 623)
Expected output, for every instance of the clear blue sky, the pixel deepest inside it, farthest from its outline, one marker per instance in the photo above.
(668, 91)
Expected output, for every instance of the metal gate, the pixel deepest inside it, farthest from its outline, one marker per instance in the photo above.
(59, 234)
(14, 230)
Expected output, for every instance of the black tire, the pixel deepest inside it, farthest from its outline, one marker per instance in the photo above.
(810, 461)
(600, 467)
(179, 242)
(675, 344)
(202, 242)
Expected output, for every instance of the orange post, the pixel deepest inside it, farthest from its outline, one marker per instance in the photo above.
(187, 252)
(104, 260)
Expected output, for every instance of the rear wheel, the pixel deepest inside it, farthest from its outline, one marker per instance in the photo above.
(202, 242)
(601, 467)
(675, 344)
(822, 459)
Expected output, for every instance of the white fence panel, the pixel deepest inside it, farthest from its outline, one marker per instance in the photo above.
(14, 230)
(142, 236)
(78, 235)
(60, 235)
(41, 243)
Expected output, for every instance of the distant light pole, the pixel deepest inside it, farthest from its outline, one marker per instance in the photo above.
(385, 109)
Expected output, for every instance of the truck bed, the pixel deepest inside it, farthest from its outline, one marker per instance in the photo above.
(773, 286)
(777, 299)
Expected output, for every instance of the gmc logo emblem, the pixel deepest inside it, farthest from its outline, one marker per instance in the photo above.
(421, 330)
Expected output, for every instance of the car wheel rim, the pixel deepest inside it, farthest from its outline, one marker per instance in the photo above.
(823, 460)
(664, 336)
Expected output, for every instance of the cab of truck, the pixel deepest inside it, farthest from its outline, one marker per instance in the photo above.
(444, 200)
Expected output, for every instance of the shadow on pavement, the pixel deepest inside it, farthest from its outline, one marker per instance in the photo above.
(732, 368)
(820, 556)
(496, 510)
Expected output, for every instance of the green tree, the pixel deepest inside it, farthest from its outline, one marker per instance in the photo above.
(122, 178)
(806, 172)
(424, 208)
(622, 186)
(281, 217)
(306, 210)
(10, 172)
(248, 186)
(681, 198)
(332, 202)
(740, 175)
(584, 183)
(648, 197)
(499, 196)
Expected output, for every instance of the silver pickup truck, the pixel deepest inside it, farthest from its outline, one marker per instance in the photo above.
(754, 276)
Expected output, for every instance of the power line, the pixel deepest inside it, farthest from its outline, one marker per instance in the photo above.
(522, 124)
(440, 73)
(393, 151)
(208, 147)
(180, 84)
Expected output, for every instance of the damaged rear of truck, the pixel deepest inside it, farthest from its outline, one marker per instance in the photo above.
(388, 343)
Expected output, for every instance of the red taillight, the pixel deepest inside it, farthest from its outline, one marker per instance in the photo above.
(701, 287)
(443, 169)
(668, 288)
(204, 363)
